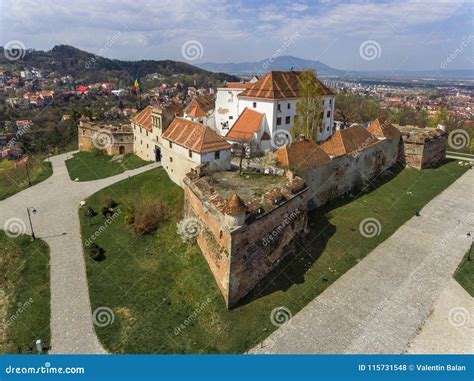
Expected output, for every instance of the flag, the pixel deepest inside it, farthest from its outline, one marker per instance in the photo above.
(136, 86)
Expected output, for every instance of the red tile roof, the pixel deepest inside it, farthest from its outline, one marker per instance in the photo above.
(301, 155)
(235, 206)
(194, 136)
(350, 140)
(279, 85)
(382, 128)
(143, 118)
(199, 107)
(245, 126)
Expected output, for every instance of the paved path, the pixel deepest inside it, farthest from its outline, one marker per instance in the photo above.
(57, 222)
(450, 326)
(378, 305)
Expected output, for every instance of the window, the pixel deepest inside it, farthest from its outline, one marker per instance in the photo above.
(322, 114)
(327, 128)
(288, 120)
(279, 121)
(330, 101)
(288, 106)
(147, 133)
(328, 114)
(217, 155)
(254, 105)
(279, 107)
(147, 146)
(171, 145)
(135, 138)
(171, 159)
(231, 117)
(190, 153)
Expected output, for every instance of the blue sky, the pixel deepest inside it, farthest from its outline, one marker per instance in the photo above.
(409, 34)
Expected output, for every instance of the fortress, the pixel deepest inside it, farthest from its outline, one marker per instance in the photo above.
(249, 221)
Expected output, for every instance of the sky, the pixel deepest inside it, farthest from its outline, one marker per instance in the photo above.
(347, 35)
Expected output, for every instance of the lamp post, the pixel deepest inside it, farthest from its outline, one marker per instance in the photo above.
(28, 173)
(30, 210)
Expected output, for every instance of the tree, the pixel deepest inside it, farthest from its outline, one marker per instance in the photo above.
(347, 105)
(244, 151)
(310, 108)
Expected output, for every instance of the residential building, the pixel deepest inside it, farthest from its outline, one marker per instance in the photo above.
(186, 145)
(276, 95)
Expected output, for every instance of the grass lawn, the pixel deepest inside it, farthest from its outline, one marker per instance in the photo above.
(465, 273)
(24, 293)
(15, 180)
(87, 166)
(165, 298)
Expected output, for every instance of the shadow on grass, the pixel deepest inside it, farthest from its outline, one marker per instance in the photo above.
(305, 252)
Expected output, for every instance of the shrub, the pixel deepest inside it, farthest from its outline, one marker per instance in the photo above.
(95, 252)
(108, 202)
(147, 216)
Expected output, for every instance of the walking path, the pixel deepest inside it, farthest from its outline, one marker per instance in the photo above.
(450, 326)
(378, 305)
(57, 222)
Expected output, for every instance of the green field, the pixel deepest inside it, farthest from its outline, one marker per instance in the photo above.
(15, 180)
(24, 293)
(465, 272)
(87, 166)
(165, 298)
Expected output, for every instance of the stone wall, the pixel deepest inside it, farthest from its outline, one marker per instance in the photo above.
(344, 173)
(241, 257)
(120, 139)
(425, 154)
(260, 246)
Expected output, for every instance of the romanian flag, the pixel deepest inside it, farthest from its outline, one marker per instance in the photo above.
(136, 86)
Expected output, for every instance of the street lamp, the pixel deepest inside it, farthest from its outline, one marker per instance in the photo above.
(28, 173)
(30, 210)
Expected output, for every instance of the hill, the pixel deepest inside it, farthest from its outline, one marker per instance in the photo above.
(279, 63)
(88, 67)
